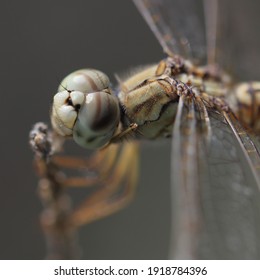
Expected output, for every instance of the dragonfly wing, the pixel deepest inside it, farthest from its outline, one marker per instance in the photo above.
(211, 26)
(231, 200)
(238, 40)
(191, 133)
(178, 25)
(225, 185)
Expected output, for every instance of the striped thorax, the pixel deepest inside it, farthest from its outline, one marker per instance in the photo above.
(150, 97)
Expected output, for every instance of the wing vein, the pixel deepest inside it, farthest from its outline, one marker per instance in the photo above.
(247, 146)
(190, 134)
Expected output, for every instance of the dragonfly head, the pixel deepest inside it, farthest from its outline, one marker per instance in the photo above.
(86, 109)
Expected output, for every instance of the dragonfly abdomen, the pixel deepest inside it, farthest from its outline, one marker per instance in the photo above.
(246, 104)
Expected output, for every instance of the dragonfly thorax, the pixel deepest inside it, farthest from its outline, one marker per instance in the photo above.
(150, 101)
(150, 97)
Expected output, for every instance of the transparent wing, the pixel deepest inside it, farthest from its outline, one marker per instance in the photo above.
(238, 40)
(225, 183)
(178, 26)
(191, 133)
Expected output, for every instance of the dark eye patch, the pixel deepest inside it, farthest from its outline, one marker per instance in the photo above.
(69, 101)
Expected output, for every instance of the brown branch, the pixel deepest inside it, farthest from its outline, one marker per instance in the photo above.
(60, 235)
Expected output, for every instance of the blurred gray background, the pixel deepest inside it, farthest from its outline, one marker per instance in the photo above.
(44, 41)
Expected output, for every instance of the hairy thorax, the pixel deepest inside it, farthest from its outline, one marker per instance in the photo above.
(149, 98)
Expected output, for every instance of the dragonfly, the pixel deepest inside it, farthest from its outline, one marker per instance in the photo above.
(212, 121)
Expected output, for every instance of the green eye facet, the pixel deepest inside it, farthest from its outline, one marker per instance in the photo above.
(85, 80)
(86, 110)
(97, 120)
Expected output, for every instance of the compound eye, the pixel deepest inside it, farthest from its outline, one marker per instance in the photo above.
(65, 109)
(97, 120)
(86, 81)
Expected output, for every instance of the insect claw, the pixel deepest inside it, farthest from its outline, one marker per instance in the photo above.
(40, 140)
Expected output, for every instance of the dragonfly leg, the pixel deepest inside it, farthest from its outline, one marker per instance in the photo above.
(97, 165)
(116, 190)
(121, 135)
(116, 167)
